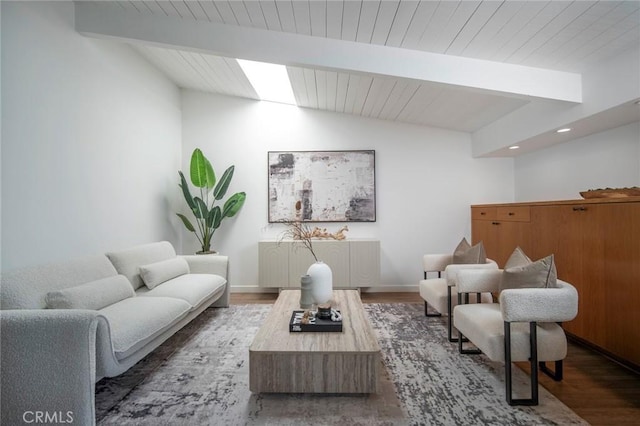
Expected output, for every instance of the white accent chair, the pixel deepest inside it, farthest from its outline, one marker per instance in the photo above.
(522, 327)
(440, 293)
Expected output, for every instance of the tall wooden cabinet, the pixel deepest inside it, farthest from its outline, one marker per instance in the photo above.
(596, 246)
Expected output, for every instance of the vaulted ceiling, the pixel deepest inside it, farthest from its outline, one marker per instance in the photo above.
(458, 65)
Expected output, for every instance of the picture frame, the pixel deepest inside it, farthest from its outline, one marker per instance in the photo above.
(322, 186)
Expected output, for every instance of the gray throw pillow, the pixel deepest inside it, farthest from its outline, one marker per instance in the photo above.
(521, 272)
(92, 295)
(465, 254)
(517, 258)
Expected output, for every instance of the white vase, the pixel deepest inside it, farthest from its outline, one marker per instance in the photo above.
(322, 282)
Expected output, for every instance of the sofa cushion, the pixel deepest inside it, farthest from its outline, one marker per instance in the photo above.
(192, 288)
(127, 262)
(26, 288)
(465, 254)
(92, 295)
(159, 272)
(521, 272)
(136, 321)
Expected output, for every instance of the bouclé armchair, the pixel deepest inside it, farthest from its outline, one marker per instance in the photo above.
(522, 327)
(441, 293)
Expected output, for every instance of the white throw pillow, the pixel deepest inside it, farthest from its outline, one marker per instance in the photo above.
(156, 273)
(92, 295)
(127, 262)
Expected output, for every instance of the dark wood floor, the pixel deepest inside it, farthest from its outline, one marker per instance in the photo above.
(599, 390)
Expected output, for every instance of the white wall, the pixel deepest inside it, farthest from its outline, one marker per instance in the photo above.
(608, 159)
(0, 145)
(90, 141)
(426, 178)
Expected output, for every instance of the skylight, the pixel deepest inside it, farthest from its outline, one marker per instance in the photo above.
(270, 81)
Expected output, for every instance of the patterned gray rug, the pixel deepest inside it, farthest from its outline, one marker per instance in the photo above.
(200, 377)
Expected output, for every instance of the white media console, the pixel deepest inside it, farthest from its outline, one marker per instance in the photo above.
(354, 263)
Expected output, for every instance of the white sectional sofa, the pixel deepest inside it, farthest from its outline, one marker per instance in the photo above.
(66, 325)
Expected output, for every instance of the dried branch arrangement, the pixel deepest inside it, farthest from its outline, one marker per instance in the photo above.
(299, 231)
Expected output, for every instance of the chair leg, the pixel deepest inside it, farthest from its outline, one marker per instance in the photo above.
(450, 318)
(439, 274)
(463, 350)
(432, 314)
(533, 359)
(555, 375)
(462, 339)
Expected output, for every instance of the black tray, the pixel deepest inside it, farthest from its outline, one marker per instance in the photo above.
(320, 325)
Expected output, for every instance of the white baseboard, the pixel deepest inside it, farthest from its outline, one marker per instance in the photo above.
(252, 289)
(379, 289)
(391, 289)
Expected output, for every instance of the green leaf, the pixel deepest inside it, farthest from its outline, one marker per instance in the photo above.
(202, 174)
(233, 204)
(223, 183)
(186, 222)
(185, 191)
(201, 211)
(216, 217)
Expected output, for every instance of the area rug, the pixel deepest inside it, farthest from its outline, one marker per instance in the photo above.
(200, 377)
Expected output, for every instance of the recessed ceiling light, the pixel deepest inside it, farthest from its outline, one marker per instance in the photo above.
(514, 147)
(271, 81)
(566, 129)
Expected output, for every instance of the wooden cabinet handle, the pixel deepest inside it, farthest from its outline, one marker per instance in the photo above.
(482, 213)
(511, 213)
(495, 223)
(579, 209)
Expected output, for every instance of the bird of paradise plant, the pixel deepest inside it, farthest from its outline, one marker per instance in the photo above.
(208, 215)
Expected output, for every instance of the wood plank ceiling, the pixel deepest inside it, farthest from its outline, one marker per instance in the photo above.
(559, 35)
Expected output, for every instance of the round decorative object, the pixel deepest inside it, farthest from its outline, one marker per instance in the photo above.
(322, 280)
(306, 298)
(324, 311)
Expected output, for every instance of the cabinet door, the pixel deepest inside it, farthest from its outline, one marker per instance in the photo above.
(573, 234)
(510, 236)
(621, 286)
(486, 231)
(273, 264)
(333, 253)
(365, 263)
(500, 238)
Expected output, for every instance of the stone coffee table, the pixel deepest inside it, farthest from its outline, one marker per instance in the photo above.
(315, 362)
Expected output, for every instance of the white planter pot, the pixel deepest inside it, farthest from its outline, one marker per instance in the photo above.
(322, 282)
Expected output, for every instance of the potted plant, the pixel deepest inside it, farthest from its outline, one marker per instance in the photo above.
(207, 214)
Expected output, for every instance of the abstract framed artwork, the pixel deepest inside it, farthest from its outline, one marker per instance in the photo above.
(322, 186)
